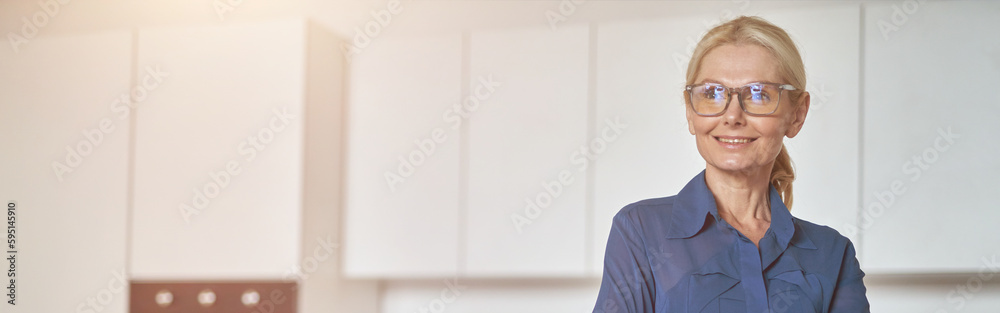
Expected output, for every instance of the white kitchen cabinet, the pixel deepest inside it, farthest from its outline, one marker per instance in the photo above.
(826, 152)
(525, 202)
(639, 84)
(929, 138)
(65, 163)
(238, 158)
(403, 158)
(547, 125)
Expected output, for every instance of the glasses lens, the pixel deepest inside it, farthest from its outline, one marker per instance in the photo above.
(708, 99)
(760, 98)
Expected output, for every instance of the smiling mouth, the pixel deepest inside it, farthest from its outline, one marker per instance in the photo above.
(735, 140)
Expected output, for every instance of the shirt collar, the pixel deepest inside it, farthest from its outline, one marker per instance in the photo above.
(694, 201)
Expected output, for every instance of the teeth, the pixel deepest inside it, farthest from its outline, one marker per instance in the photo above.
(745, 140)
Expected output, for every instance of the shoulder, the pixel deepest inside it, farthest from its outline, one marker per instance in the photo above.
(647, 207)
(824, 237)
(645, 211)
(832, 255)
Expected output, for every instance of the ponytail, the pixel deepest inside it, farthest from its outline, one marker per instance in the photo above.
(782, 175)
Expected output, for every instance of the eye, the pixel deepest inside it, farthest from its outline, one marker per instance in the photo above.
(712, 92)
(758, 93)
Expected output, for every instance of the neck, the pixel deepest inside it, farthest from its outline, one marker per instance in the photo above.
(741, 196)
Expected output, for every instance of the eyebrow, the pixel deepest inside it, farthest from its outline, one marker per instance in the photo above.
(712, 81)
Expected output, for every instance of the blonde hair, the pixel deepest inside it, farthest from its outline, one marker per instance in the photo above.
(757, 31)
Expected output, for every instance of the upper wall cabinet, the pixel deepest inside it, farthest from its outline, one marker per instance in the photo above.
(930, 168)
(639, 84)
(238, 158)
(825, 152)
(641, 68)
(403, 158)
(65, 134)
(527, 139)
(218, 151)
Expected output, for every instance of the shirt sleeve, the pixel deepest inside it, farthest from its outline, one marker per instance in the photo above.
(627, 283)
(849, 295)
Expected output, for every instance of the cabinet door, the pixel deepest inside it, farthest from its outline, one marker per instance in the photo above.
(218, 151)
(825, 152)
(65, 163)
(930, 165)
(403, 158)
(640, 79)
(525, 195)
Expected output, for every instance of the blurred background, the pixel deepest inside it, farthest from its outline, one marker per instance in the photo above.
(459, 156)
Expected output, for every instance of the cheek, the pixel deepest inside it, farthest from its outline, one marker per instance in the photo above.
(772, 131)
(702, 126)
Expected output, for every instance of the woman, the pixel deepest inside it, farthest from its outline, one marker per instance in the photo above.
(727, 242)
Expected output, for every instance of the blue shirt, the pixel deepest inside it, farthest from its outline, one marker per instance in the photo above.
(676, 254)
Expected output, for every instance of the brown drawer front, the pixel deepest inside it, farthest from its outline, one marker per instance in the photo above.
(213, 296)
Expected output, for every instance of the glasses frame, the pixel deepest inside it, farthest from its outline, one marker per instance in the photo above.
(689, 89)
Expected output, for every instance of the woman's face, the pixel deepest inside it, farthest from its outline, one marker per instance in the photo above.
(736, 141)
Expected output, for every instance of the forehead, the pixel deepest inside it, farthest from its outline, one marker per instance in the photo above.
(737, 65)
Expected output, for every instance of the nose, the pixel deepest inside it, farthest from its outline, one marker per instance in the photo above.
(734, 114)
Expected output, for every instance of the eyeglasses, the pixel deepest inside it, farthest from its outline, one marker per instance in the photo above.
(755, 99)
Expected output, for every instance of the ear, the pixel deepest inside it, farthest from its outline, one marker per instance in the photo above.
(799, 116)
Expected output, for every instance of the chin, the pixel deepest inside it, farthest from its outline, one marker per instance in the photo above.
(735, 166)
